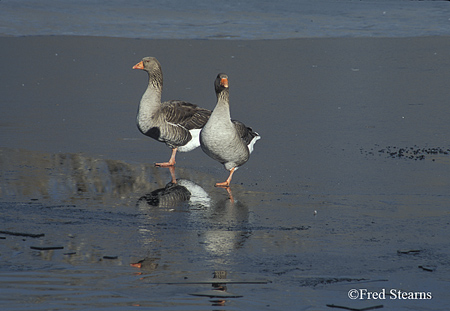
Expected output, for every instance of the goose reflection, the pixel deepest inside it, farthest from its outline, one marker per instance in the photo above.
(148, 264)
(176, 194)
(228, 229)
(230, 194)
(221, 224)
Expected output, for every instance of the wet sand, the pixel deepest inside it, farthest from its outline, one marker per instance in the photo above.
(347, 189)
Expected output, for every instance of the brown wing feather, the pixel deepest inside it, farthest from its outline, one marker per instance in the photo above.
(188, 115)
(246, 133)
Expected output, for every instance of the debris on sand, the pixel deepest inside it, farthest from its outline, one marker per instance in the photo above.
(408, 153)
(408, 251)
(428, 268)
(46, 248)
(30, 235)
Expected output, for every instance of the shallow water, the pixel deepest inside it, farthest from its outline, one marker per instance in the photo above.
(282, 19)
(283, 250)
(324, 205)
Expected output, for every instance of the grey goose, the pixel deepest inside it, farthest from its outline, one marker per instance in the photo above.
(176, 123)
(227, 141)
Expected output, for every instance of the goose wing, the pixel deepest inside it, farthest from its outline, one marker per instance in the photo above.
(185, 114)
(245, 133)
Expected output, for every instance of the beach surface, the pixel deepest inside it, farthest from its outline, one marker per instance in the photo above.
(346, 190)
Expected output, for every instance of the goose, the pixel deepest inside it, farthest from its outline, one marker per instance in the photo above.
(227, 141)
(176, 123)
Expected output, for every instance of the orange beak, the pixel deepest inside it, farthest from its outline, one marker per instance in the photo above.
(224, 82)
(139, 65)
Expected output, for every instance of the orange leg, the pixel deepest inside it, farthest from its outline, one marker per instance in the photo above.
(171, 161)
(227, 182)
(172, 173)
(230, 194)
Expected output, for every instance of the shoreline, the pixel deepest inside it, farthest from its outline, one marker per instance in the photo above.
(226, 38)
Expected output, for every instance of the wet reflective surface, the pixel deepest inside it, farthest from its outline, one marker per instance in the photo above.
(138, 239)
(98, 217)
